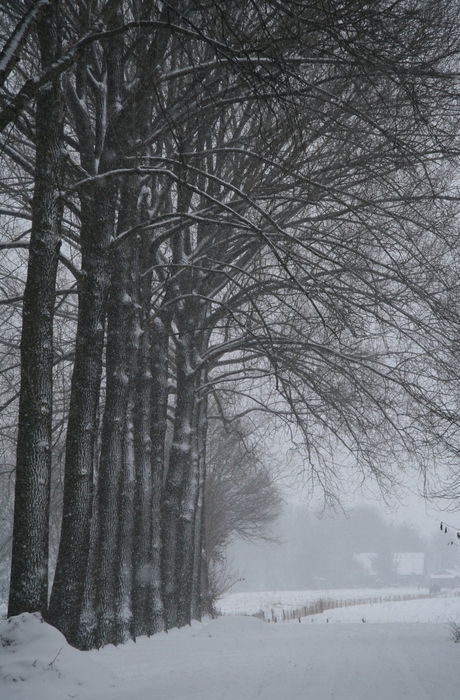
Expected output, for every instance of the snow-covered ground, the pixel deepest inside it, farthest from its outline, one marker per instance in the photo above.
(407, 654)
(275, 602)
(438, 610)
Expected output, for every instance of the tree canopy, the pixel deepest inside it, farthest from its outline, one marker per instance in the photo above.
(249, 205)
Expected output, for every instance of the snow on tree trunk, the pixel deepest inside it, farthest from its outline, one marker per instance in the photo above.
(99, 203)
(196, 607)
(87, 632)
(68, 588)
(113, 434)
(188, 566)
(133, 483)
(160, 334)
(180, 467)
(186, 530)
(123, 612)
(142, 564)
(143, 487)
(29, 567)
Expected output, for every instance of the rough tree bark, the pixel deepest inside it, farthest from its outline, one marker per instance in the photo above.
(180, 461)
(29, 568)
(118, 113)
(142, 566)
(114, 427)
(160, 335)
(198, 592)
(98, 209)
(72, 564)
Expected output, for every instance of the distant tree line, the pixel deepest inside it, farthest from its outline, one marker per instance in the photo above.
(210, 209)
(321, 552)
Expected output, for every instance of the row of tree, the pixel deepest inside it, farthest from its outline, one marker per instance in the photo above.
(222, 207)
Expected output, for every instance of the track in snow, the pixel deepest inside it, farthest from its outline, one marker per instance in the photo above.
(238, 658)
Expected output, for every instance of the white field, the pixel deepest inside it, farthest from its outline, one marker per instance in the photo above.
(275, 602)
(407, 653)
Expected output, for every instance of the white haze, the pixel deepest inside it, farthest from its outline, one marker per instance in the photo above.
(309, 551)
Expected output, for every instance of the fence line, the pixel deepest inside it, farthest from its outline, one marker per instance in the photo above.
(319, 606)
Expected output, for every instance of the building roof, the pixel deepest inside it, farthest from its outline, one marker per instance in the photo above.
(445, 574)
(409, 563)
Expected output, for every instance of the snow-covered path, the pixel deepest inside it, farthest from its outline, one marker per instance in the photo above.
(403, 651)
(244, 659)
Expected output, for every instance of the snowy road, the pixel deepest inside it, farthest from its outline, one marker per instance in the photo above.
(403, 651)
(244, 659)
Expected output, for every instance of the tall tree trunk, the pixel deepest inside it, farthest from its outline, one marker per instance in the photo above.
(189, 537)
(160, 335)
(72, 563)
(142, 568)
(206, 601)
(186, 525)
(98, 213)
(179, 461)
(134, 482)
(196, 607)
(123, 609)
(182, 461)
(87, 634)
(113, 433)
(29, 566)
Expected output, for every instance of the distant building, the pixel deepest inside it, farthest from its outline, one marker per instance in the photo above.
(410, 565)
(444, 578)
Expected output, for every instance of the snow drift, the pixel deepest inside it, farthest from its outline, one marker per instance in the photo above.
(37, 663)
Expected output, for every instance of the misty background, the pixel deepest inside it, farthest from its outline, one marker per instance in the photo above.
(308, 551)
